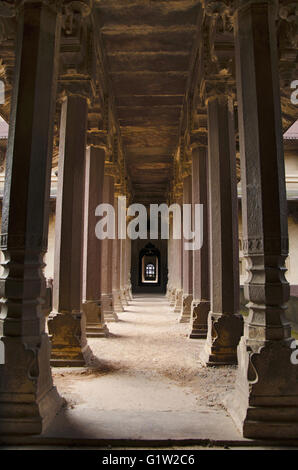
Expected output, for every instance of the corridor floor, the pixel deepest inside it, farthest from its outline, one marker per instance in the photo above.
(146, 384)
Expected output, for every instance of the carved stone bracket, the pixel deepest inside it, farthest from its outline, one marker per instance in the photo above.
(111, 169)
(7, 9)
(198, 138)
(98, 138)
(186, 169)
(76, 85)
(219, 88)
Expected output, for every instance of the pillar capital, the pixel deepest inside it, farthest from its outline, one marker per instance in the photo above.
(83, 7)
(186, 169)
(217, 8)
(7, 9)
(198, 139)
(98, 139)
(111, 169)
(120, 190)
(75, 85)
(222, 89)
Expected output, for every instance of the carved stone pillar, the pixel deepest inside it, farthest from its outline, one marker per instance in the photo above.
(265, 404)
(128, 294)
(117, 304)
(170, 261)
(201, 281)
(123, 272)
(224, 324)
(94, 177)
(28, 399)
(67, 322)
(106, 259)
(179, 273)
(187, 261)
(178, 268)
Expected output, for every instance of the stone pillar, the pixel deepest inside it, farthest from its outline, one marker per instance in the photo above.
(265, 404)
(28, 399)
(178, 244)
(201, 281)
(187, 261)
(117, 304)
(107, 258)
(67, 322)
(130, 297)
(123, 272)
(128, 267)
(224, 323)
(94, 176)
(170, 261)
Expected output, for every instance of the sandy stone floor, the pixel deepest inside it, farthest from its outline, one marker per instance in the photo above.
(147, 363)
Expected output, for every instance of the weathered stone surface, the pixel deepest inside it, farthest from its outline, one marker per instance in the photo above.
(199, 319)
(186, 309)
(69, 342)
(223, 335)
(95, 324)
(178, 301)
(107, 308)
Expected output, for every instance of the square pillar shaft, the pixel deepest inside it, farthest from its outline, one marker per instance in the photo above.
(187, 260)
(94, 176)
(201, 258)
(107, 257)
(67, 322)
(117, 305)
(224, 325)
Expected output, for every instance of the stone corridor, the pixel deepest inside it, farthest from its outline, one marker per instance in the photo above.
(147, 385)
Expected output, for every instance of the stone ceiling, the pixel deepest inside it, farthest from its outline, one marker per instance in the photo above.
(148, 45)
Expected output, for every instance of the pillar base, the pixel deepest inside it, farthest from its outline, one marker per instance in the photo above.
(127, 295)
(172, 298)
(168, 292)
(199, 319)
(117, 304)
(123, 297)
(28, 399)
(107, 308)
(186, 309)
(178, 301)
(130, 294)
(68, 337)
(265, 402)
(224, 333)
(95, 326)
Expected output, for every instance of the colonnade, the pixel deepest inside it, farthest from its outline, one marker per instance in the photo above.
(203, 286)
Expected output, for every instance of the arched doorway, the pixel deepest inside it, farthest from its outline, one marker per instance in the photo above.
(149, 266)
